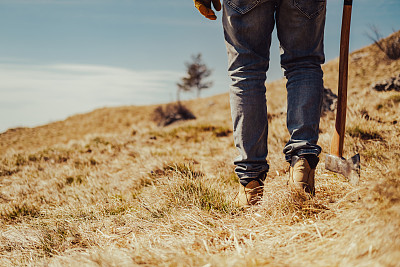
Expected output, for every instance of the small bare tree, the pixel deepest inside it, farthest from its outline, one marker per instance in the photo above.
(391, 47)
(197, 72)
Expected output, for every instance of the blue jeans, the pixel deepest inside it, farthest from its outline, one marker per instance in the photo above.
(248, 25)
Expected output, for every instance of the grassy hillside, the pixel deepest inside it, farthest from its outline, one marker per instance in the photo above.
(111, 188)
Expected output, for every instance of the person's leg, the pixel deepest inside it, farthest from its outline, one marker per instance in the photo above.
(300, 26)
(247, 28)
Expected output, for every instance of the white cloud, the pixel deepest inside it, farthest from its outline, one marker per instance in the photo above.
(36, 94)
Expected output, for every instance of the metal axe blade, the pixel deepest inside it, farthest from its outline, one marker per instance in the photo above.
(349, 168)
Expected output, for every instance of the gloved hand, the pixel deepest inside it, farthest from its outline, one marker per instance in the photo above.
(204, 6)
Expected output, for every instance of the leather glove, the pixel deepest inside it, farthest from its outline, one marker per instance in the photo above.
(204, 6)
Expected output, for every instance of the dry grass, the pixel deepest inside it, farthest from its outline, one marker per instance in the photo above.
(110, 188)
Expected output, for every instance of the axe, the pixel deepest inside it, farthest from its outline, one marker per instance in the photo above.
(334, 161)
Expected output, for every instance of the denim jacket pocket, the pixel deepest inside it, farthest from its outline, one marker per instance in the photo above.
(243, 6)
(310, 8)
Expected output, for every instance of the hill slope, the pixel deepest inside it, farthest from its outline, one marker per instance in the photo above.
(111, 188)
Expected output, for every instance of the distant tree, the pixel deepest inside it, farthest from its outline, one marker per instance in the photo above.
(196, 73)
(390, 46)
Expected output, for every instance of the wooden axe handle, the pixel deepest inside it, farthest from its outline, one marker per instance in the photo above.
(340, 125)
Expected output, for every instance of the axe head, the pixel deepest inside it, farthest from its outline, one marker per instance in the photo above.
(349, 168)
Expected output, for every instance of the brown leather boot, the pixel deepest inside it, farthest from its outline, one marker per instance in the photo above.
(301, 175)
(249, 195)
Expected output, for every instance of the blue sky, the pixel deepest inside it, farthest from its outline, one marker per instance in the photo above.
(62, 57)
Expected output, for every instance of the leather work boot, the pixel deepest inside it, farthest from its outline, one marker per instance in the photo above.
(249, 195)
(302, 172)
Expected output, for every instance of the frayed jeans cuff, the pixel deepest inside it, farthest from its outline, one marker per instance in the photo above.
(260, 177)
(302, 152)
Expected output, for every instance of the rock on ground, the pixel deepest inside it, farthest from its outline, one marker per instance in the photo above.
(391, 84)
